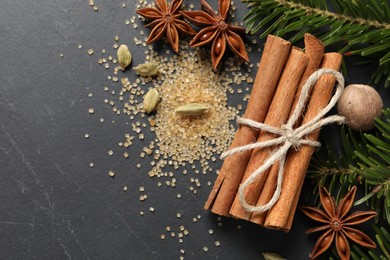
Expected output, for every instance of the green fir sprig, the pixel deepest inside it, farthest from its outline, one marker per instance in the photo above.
(374, 167)
(355, 27)
(364, 160)
(331, 169)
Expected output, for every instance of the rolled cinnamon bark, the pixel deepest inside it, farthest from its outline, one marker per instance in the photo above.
(281, 215)
(276, 116)
(272, 62)
(314, 50)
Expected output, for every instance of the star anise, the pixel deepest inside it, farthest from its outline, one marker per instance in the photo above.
(337, 224)
(166, 20)
(217, 30)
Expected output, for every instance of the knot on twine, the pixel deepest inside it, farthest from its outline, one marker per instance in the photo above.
(287, 137)
(288, 132)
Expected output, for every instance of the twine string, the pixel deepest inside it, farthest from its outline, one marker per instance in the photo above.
(287, 138)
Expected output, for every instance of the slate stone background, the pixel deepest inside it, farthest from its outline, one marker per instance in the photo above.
(53, 205)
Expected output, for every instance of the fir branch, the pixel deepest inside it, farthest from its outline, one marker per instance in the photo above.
(374, 167)
(361, 27)
(364, 158)
(326, 13)
(325, 171)
(331, 168)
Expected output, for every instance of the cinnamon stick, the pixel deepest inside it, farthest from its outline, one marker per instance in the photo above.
(314, 50)
(272, 62)
(280, 216)
(277, 114)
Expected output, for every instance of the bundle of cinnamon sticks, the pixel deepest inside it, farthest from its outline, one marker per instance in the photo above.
(281, 75)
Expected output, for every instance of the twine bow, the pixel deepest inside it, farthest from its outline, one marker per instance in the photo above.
(288, 137)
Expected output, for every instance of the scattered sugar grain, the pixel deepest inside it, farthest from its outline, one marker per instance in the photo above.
(186, 85)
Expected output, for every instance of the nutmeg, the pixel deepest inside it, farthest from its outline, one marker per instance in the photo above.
(360, 104)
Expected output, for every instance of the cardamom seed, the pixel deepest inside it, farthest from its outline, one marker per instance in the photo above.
(272, 256)
(150, 100)
(147, 69)
(124, 56)
(191, 109)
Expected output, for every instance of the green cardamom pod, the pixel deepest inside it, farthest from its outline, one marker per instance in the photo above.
(147, 69)
(191, 109)
(272, 256)
(150, 100)
(124, 56)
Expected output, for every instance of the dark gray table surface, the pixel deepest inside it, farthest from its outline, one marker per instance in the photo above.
(53, 205)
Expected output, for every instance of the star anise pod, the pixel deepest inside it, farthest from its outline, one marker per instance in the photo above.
(166, 20)
(337, 224)
(217, 30)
